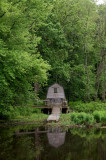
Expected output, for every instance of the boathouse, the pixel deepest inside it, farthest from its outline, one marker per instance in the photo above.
(55, 101)
(56, 96)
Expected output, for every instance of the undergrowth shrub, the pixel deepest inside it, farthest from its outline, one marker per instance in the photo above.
(100, 116)
(86, 118)
(82, 118)
(87, 107)
(10, 112)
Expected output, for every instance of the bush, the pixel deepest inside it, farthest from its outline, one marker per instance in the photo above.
(87, 107)
(86, 118)
(97, 116)
(10, 112)
(100, 116)
(82, 118)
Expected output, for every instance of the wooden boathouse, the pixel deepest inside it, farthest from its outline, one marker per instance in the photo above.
(55, 95)
(55, 102)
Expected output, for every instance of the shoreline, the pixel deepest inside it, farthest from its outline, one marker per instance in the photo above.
(53, 124)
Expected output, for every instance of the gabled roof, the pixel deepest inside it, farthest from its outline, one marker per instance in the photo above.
(59, 94)
(55, 85)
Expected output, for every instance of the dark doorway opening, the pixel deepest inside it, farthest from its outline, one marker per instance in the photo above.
(64, 110)
(46, 110)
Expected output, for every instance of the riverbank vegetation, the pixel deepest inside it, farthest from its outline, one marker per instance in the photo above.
(87, 107)
(43, 41)
(20, 115)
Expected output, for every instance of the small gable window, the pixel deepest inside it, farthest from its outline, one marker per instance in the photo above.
(55, 90)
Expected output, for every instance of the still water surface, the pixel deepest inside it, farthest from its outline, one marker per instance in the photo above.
(45, 143)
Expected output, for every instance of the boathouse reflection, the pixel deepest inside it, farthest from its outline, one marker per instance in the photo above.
(56, 137)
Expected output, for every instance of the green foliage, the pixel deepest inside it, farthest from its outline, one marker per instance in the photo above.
(40, 103)
(87, 107)
(10, 112)
(45, 41)
(82, 118)
(7, 113)
(100, 116)
(20, 63)
(92, 133)
(53, 47)
(87, 118)
(72, 44)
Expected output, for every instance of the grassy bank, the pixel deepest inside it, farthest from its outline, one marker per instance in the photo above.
(82, 119)
(21, 114)
(82, 114)
(74, 119)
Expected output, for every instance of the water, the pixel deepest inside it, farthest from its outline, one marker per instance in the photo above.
(45, 143)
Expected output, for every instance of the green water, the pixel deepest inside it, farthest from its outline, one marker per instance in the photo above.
(45, 143)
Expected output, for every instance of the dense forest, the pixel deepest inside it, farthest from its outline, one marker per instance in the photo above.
(47, 41)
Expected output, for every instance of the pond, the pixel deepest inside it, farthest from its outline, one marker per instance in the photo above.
(30, 142)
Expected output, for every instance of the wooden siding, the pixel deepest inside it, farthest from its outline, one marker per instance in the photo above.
(59, 94)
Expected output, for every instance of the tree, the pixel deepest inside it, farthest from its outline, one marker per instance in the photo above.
(20, 63)
(100, 46)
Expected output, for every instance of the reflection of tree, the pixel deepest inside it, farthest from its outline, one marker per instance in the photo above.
(79, 144)
(20, 146)
(24, 148)
(5, 147)
(38, 146)
(88, 140)
(17, 148)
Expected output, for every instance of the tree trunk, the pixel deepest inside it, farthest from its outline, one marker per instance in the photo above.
(87, 74)
(100, 69)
